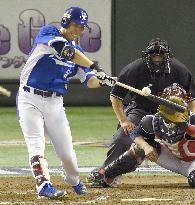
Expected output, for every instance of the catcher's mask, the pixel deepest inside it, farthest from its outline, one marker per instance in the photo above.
(172, 116)
(176, 94)
(157, 47)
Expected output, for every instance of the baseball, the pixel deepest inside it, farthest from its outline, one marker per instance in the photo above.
(146, 91)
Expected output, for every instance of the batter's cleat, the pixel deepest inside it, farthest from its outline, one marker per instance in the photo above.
(80, 188)
(49, 191)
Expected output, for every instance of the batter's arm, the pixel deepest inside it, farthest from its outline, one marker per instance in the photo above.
(72, 54)
(93, 82)
(81, 59)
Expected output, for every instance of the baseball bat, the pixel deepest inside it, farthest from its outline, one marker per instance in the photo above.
(154, 98)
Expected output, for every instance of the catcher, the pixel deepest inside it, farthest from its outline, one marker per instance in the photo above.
(167, 138)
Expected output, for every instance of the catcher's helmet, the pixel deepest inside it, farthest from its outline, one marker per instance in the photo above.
(157, 47)
(176, 90)
(75, 14)
(176, 94)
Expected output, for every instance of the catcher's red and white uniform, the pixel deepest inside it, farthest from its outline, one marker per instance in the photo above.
(177, 142)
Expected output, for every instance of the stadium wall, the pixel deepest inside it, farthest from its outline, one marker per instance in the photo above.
(121, 32)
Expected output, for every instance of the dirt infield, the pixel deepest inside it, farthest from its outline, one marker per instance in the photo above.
(147, 190)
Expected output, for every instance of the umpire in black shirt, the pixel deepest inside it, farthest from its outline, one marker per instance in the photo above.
(157, 69)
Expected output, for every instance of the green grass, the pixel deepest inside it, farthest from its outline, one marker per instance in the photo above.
(17, 155)
(9, 125)
(95, 124)
(87, 123)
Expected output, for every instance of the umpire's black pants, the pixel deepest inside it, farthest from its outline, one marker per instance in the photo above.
(122, 142)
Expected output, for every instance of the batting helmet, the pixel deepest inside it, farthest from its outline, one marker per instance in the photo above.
(75, 14)
(157, 47)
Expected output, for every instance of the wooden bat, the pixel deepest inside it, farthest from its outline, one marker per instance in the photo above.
(4, 91)
(147, 93)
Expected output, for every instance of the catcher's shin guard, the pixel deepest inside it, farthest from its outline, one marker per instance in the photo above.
(124, 164)
(127, 162)
(39, 169)
(107, 176)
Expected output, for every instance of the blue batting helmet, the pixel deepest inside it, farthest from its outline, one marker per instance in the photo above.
(75, 14)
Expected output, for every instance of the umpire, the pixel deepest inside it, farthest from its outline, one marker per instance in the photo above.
(156, 69)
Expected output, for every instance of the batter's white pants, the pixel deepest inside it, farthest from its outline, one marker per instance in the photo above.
(168, 161)
(40, 116)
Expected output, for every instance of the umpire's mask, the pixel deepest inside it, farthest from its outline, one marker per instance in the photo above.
(156, 56)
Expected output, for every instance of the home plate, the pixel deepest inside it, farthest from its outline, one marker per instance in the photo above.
(146, 199)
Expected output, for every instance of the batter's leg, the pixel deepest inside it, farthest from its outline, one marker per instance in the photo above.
(32, 124)
(58, 130)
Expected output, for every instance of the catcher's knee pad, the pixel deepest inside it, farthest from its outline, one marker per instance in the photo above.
(191, 179)
(40, 169)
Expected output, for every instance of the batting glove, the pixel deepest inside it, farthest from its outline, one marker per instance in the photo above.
(108, 81)
(105, 79)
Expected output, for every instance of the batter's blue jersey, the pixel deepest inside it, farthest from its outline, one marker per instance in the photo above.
(45, 70)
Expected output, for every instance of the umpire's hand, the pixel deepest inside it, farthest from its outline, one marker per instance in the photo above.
(127, 126)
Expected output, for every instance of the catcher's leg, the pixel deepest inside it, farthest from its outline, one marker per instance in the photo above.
(122, 142)
(127, 162)
(168, 161)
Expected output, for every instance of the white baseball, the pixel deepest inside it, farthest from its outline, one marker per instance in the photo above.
(146, 91)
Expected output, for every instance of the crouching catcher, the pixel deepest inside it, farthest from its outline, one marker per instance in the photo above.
(166, 138)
